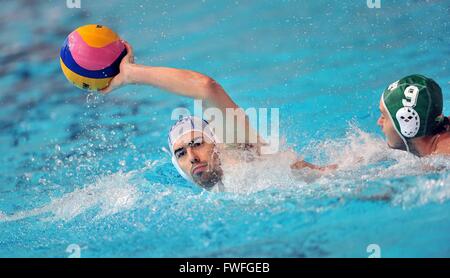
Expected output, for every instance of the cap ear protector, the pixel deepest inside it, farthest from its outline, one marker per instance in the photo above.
(409, 121)
(414, 104)
(180, 171)
(180, 128)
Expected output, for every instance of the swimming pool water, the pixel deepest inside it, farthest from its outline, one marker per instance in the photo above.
(90, 170)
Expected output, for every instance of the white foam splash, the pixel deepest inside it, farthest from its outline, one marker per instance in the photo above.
(364, 160)
(424, 192)
(361, 156)
(111, 194)
(358, 148)
(260, 173)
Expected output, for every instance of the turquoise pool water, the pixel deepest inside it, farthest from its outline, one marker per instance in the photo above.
(89, 171)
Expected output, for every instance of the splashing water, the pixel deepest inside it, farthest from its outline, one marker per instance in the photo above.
(366, 166)
(110, 194)
(264, 188)
(363, 159)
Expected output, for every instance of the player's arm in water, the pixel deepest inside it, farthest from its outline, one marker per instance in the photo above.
(190, 84)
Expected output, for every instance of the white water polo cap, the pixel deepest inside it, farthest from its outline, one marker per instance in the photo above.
(180, 128)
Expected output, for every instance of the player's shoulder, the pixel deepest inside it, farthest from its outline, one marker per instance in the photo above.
(443, 146)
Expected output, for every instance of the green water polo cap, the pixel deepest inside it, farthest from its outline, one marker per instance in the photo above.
(414, 104)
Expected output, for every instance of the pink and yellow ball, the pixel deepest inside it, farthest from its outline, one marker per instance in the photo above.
(91, 55)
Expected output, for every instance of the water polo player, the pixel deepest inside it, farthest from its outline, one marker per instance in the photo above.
(411, 116)
(195, 149)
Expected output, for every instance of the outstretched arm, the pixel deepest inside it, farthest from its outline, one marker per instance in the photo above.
(193, 85)
(182, 82)
(301, 164)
